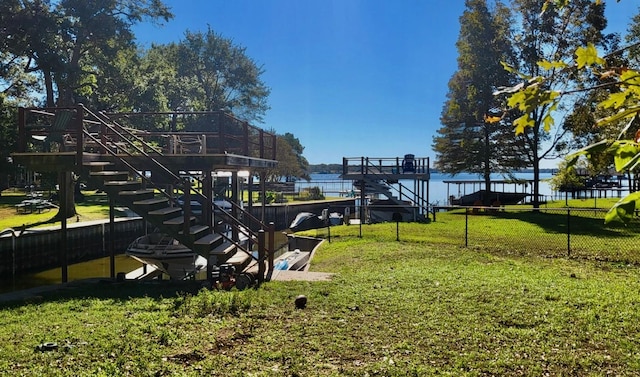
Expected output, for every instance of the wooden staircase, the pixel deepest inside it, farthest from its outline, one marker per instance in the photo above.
(139, 167)
(227, 241)
(165, 213)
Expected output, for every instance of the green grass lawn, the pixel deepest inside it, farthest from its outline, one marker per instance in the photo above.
(94, 207)
(419, 307)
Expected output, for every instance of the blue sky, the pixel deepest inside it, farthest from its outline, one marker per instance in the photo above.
(349, 78)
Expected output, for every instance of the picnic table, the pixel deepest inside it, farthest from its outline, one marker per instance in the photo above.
(33, 205)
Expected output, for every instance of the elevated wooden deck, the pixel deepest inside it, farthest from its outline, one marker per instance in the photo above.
(391, 169)
(64, 139)
(68, 161)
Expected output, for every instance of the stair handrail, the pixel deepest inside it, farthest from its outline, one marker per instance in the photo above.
(130, 134)
(235, 223)
(132, 168)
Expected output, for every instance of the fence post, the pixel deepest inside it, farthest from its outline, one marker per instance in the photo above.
(568, 232)
(261, 256)
(466, 228)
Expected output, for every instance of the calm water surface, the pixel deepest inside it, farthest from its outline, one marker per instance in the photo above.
(97, 268)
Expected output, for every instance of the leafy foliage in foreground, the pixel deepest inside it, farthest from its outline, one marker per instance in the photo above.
(393, 309)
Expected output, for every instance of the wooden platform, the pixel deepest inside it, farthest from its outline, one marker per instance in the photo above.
(65, 161)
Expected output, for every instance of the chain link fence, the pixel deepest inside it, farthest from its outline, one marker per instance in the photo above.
(551, 232)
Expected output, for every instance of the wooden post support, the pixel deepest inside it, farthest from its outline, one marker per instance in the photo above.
(64, 179)
(271, 251)
(261, 255)
(112, 233)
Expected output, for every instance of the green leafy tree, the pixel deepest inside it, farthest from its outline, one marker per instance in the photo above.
(66, 41)
(567, 179)
(291, 164)
(543, 41)
(71, 43)
(301, 161)
(220, 76)
(620, 102)
(475, 137)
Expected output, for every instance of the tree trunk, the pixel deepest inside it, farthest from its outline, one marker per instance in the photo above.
(487, 169)
(48, 83)
(66, 179)
(536, 183)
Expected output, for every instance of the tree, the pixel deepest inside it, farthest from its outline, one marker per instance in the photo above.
(69, 43)
(301, 162)
(291, 164)
(567, 179)
(470, 141)
(64, 41)
(541, 40)
(622, 82)
(220, 76)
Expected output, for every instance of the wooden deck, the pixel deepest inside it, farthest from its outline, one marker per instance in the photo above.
(67, 161)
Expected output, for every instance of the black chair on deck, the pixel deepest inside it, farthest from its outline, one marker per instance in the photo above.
(408, 164)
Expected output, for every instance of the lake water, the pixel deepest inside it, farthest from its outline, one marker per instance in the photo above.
(439, 191)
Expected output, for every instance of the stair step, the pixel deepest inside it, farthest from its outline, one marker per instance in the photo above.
(95, 166)
(240, 259)
(208, 243)
(116, 186)
(151, 204)
(177, 221)
(226, 248)
(113, 175)
(151, 201)
(165, 213)
(136, 196)
(135, 193)
(98, 163)
(122, 183)
(196, 231)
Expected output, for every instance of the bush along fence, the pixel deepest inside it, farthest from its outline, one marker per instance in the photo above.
(552, 232)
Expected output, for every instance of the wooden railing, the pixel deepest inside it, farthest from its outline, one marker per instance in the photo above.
(215, 132)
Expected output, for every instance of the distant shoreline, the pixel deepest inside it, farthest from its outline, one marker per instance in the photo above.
(337, 169)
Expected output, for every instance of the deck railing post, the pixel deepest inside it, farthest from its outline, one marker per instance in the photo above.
(112, 237)
(221, 142)
(274, 147)
(245, 127)
(261, 141)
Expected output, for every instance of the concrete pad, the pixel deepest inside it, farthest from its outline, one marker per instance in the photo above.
(286, 275)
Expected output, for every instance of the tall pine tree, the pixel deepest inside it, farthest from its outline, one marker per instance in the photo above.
(475, 137)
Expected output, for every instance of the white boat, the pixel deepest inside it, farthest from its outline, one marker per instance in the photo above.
(167, 255)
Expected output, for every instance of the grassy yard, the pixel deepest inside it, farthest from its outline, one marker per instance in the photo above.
(419, 307)
(94, 207)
